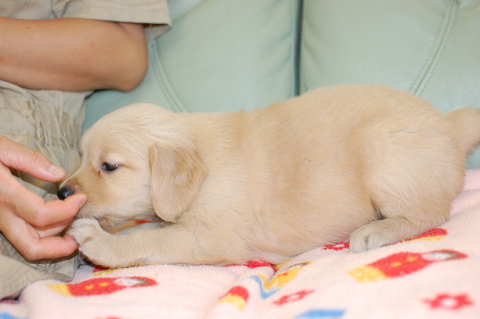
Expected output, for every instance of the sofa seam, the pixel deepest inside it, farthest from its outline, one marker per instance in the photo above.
(299, 21)
(436, 52)
(164, 82)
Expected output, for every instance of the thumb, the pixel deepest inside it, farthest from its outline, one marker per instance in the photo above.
(27, 160)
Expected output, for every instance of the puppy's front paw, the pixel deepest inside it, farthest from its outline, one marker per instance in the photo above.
(93, 240)
(85, 229)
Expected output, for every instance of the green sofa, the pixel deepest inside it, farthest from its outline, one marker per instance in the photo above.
(224, 55)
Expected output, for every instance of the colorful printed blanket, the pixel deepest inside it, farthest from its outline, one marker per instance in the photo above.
(434, 275)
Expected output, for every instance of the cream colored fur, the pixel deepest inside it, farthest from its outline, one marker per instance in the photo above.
(369, 164)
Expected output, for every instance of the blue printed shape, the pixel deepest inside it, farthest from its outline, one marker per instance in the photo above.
(321, 313)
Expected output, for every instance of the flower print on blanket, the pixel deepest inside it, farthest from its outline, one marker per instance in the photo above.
(401, 264)
(101, 286)
(435, 234)
(269, 287)
(237, 296)
(450, 302)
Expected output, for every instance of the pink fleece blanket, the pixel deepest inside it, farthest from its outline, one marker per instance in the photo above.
(434, 275)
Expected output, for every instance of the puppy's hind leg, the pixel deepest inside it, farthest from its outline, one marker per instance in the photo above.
(385, 232)
(409, 203)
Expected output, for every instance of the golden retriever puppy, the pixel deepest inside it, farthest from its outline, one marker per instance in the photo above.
(369, 164)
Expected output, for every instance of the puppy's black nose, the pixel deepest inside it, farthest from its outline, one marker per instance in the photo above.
(64, 192)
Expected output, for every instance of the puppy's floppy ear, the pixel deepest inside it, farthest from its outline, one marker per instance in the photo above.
(177, 174)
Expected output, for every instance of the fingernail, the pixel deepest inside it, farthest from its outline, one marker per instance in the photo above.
(56, 170)
(83, 201)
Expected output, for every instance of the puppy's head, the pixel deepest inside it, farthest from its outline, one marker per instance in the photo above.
(137, 162)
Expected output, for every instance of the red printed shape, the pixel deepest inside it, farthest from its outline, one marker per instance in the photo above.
(236, 296)
(431, 234)
(101, 286)
(405, 263)
(449, 302)
(401, 264)
(337, 246)
(293, 297)
(254, 264)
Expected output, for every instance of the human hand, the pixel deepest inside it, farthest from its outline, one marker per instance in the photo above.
(26, 220)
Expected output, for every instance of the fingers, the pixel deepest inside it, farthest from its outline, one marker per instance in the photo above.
(24, 159)
(54, 229)
(54, 212)
(28, 242)
(27, 205)
(26, 220)
(49, 248)
(19, 226)
(32, 208)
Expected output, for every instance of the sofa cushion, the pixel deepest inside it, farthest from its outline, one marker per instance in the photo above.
(430, 48)
(241, 54)
(219, 56)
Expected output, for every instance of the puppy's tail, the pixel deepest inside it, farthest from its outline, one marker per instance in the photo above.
(467, 123)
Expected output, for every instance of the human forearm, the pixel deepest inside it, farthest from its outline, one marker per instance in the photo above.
(72, 54)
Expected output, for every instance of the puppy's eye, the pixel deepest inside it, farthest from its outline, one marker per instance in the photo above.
(109, 166)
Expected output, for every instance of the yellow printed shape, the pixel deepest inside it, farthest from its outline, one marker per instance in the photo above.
(60, 288)
(103, 272)
(282, 278)
(234, 300)
(367, 273)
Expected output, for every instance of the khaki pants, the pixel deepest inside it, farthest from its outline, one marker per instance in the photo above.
(49, 122)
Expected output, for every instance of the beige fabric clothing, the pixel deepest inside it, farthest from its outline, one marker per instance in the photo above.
(16, 273)
(50, 121)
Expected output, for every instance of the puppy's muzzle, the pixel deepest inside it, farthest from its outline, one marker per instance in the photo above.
(65, 191)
